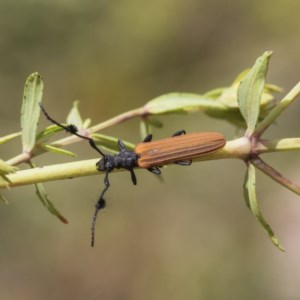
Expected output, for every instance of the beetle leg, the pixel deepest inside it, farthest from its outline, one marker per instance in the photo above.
(106, 182)
(148, 138)
(121, 145)
(154, 170)
(179, 132)
(183, 162)
(133, 177)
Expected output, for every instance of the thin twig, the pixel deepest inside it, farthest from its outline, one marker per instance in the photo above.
(25, 157)
(275, 175)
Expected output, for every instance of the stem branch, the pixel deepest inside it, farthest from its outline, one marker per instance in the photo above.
(233, 149)
(239, 148)
(25, 157)
(275, 175)
(277, 110)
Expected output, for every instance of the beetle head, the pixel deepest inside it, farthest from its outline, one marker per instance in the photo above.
(106, 163)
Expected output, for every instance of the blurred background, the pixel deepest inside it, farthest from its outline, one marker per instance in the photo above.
(190, 237)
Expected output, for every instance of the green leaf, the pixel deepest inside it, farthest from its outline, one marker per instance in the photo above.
(9, 137)
(228, 97)
(215, 93)
(42, 195)
(180, 103)
(6, 168)
(145, 128)
(110, 143)
(272, 88)
(4, 181)
(57, 150)
(146, 125)
(3, 199)
(155, 122)
(277, 110)
(30, 110)
(252, 203)
(74, 117)
(86, 123)
(250, 91)
(47, 133)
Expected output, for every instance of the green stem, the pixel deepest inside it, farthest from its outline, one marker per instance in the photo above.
(53, 172)
(238, 148)
(9, 137)
(139, 112)
(281, 145)
(277, 110)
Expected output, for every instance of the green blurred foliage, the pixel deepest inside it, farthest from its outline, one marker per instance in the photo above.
(190, 237)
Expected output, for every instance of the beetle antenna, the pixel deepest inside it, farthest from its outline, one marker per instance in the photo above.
(71, 128)
(99, 205)
(94, 146)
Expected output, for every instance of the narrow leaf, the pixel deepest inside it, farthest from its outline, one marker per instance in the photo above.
(252, 203)
(155, 122)
(146, 125)
(47, 133)
(145, 128)
(4, 181)
(9, 137)
(42, 195)
(74, 115)
(3, 199)
(57, 150)
(250, 91)
(30, 110)
(180, 103)
(6, 168)
(277, 110)
(110, 143)
(215, 93)
(86, 123)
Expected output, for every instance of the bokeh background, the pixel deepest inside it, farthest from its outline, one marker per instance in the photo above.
(190, 237)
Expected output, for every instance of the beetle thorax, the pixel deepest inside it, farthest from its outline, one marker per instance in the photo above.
(125, 159)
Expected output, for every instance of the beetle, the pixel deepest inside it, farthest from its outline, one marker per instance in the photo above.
(180, 148)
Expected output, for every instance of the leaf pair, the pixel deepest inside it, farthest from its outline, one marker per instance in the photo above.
(250, 91)
(220, 103)
(30, 115)
(249, 96)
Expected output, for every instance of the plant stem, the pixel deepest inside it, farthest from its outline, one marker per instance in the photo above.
(281, 145)
(238, 148)
(9, 137)
(277, 110)
(53, 172)
(275, 175)
(139, 112)
(25, 157)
